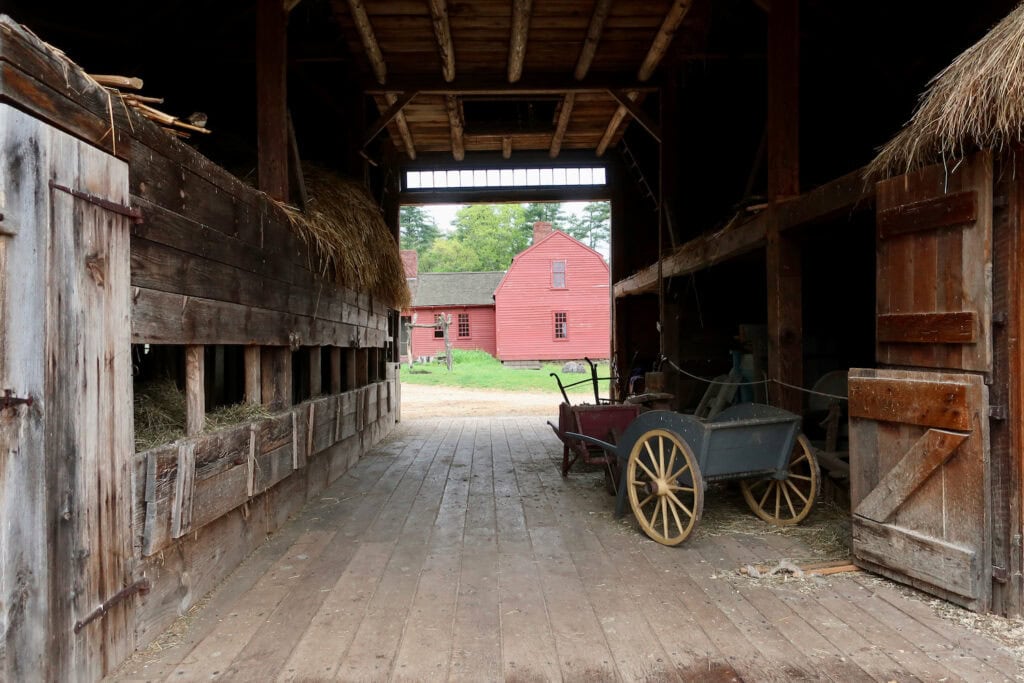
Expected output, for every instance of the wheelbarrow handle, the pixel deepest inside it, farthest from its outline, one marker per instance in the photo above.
(561, 388)
(593, 378)
(604, 445)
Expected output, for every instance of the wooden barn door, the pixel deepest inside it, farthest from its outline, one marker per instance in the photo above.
(919, 451)
(65, 406)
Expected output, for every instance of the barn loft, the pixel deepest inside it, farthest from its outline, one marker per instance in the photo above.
(203, 205)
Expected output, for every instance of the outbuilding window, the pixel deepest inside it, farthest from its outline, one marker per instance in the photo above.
(438, 326)
(464, 325)
(561, 325)
(558, 274)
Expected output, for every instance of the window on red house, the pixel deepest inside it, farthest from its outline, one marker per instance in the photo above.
(438, 326)
(463, 324)
(558, 274)
(561, 325)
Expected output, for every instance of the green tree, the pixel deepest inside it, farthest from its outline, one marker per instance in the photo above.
(494, 232)
(418, 229)
(448, 255)
(593, 228)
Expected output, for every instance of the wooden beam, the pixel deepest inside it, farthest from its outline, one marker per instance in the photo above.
(593, 38)
(785, 315)
(673, 18)
(195, 389)
(369, 40)
(272, 98)
(506, 147)
(613, 126)
(296, 177)
(350, 369)
(783, 99)
(517, 40)
(637, 113)
(532, 85)
(403, 129)
(456, 127)
(252, 375)
(277, 377)
(443, 33)
(564, 115)
(395, 106)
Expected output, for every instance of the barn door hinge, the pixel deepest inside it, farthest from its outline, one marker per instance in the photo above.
(9, 400)
(997, 412)
(140, 586)
(130, 211)
(999, 574)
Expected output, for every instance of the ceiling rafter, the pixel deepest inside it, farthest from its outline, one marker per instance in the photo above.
(380, 70)
(455, 122)
(673, 18)
(443, 33)
(521, 10)
(583, 62)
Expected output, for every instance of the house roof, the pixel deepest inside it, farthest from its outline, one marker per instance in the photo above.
(553, 235)
(456, 289)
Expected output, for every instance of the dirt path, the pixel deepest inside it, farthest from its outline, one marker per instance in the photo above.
(420, 401)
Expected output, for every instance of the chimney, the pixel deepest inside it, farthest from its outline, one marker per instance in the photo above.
(411, 263)
(541, 229)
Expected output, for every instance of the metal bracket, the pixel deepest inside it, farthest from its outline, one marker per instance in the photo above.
(997, 412)
(140, 586)
(1000, 575)
(9, 400)
(129, 211)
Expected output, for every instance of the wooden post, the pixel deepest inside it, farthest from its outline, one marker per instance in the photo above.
(315, 371)
(195, 389)
(362, 368)
(336, 386)
(785, 324)
(276, 362)
(351, 376)
(446, 323)
(252, 375)
(272, 98)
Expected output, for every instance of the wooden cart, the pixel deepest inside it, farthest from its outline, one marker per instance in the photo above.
(667, 459)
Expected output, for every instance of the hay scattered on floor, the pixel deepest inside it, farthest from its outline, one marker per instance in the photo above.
(160, 414)
(353, 244)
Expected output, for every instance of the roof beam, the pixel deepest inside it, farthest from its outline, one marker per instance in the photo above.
(517, 40)
(456, 125)
(673, 18)
(369, 40)
(403, 127)
(490, 86)
(637, 113)
(443, 33)
(583, 62)
(395, 106)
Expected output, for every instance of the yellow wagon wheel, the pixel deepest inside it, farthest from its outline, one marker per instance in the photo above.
(786, 501)
(665, 488)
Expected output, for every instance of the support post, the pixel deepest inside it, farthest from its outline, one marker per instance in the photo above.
(351, 376)
(195, 389)
(252, 375)
(272, 98)
(276, 362)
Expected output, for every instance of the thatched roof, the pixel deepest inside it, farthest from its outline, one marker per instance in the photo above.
(345, 228)
(977, 102)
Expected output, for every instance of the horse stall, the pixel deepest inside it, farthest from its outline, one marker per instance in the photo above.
(252, 340)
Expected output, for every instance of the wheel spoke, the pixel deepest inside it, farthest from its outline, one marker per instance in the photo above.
(675, 475)
(789, 501)
(645, 501)
(672, 458)
(767, 491)
(689, 513)
(650, 474)
(664, 516)
(675, 514)
(661, 456)
(800, 477)
(686, 489)
(797, 490)
(654, 514)
(798, 460)
(647, 445)
(778, 500)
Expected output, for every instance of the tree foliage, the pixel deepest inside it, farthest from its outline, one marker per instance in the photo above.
(486, 237)
(418, 229)
(594, 227)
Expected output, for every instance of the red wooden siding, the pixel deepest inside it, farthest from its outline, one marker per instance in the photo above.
(481, 329)
(526, 303)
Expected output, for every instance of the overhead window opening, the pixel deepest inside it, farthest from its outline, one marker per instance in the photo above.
(506, 177)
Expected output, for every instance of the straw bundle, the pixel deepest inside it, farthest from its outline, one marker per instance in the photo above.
(352, 242)
(977, 102)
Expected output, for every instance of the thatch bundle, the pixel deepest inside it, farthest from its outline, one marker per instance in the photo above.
(977, 102)
(352, 242)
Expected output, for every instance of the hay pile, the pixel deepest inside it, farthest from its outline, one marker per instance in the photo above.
(160, 414)
(977, 102)
(352, 242)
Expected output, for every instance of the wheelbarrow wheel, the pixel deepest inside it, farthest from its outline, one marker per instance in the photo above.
(665, 488)
(788, 501)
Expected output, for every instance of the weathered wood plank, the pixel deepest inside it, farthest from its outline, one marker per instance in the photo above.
(931, 404)
(958, 208)
(947, 566)
(195, 391)
(928, 328)
(276, 374)
(184, 487)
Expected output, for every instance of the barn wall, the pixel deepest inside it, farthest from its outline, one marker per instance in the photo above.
(481, 330)
(526, 304)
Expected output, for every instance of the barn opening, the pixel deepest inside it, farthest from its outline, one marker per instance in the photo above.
(757, 229)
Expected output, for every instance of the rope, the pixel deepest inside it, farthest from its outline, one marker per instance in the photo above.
(765, 381)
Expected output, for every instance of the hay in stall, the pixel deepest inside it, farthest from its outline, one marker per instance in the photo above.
(160, 414)
(353, 244)
(976, 103)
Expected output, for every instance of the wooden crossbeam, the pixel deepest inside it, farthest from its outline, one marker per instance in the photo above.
(456, 125)
(368, 39)
(673, 18)
(443, 33)
(531, 85)
(403, 128)
(563, 124)
(517, 40)
(396, 104)
(637, 113)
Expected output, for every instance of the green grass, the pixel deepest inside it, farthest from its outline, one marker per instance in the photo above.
(480, 370)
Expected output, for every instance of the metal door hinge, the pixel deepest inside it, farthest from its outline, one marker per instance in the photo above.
(130, 211)
(997, 412)
(1000, 574)
(140, 586)
(9, 400)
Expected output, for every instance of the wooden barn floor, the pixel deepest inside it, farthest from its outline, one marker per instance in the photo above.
(455, 551)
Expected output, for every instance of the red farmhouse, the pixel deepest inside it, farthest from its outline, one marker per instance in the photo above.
(554, 302)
